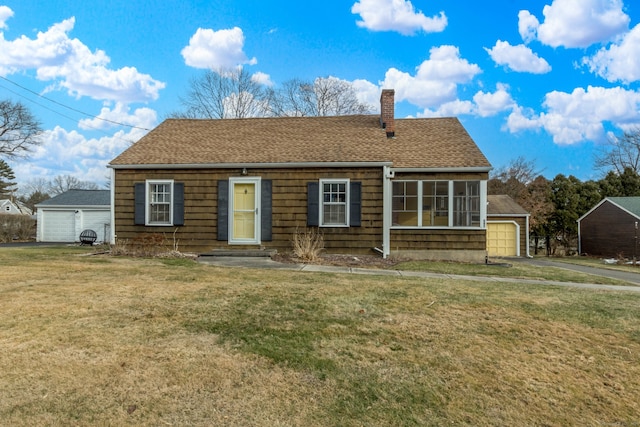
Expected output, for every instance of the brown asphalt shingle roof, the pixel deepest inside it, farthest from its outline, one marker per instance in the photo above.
(504, 205)
(418, 143)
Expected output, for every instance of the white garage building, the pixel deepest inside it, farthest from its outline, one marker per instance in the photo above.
(63, 217)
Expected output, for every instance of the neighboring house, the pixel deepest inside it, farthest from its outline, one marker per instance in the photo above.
(507, 227)
(409, 187)
(63, 217)
(610, 228)
(14, 207)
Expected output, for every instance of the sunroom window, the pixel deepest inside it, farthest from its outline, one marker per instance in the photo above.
(405, 203)
(466, 204)
(436, 204)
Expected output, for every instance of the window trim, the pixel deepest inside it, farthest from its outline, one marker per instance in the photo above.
(347, 202)
(147, 201)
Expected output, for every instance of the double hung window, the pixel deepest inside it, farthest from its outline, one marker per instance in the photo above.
(335, 202)
(159, 203)
(159, 199)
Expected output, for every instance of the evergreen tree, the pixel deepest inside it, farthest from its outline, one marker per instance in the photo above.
(6, 180)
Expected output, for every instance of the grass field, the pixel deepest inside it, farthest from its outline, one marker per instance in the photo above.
(99, 340)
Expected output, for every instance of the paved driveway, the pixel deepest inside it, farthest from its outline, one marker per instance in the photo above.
(604, 272)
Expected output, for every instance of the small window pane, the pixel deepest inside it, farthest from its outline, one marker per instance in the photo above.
(466, 204)
(435, 204)
(405, 203)
(334, 203)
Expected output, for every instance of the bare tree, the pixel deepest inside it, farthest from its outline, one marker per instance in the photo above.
(622, 152)
(325, 96)
(224, 94)
(513, 179)
(19, 130)
(62, 183)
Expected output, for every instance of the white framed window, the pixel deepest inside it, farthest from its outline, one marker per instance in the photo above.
(159, 200)
(438, 204)
(466, 204)
(405, 203)
(334, 202)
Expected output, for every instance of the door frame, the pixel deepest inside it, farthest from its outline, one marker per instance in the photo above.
(256, 181)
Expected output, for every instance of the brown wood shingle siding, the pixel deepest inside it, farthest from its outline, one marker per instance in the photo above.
(289, 205)
(444, 239)
(608, 231)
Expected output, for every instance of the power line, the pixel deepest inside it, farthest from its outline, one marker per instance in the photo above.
(67, 107)
(64, 115)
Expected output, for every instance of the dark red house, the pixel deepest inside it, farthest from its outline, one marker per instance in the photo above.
(610, 229)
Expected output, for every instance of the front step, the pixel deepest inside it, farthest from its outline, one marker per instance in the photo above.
(245, 253)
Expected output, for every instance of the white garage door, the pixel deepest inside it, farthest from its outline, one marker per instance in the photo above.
(58, 226)
(502, 239)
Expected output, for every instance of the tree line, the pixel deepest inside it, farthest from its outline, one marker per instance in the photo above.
(556, 204)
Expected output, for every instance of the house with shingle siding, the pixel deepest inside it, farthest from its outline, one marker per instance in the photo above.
(610, 228)
(409, 187)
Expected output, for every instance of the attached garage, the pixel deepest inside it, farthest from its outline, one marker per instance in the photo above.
(63, 217)
(507, 227)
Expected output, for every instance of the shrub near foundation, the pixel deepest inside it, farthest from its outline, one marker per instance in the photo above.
(308, 244)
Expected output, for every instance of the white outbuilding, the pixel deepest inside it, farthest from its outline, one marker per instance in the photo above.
(63, 217)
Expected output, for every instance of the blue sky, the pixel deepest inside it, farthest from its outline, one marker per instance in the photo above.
(549, 80)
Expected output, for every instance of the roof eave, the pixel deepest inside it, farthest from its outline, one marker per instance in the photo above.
(444, 169)
(274, 165)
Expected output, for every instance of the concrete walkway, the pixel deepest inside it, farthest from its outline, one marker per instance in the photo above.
(268, 263)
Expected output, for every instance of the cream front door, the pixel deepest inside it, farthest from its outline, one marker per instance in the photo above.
(245, 214)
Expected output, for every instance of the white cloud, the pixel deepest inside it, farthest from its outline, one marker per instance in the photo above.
(527, 26)
(579, 116)
(620, 61)
(436, 79)
(518, 58)
(73, 66)
(490, 104)
(145, 118)
(262, 78)
(367, 93)
(484, 104)
(5, 14)
(396, 15)
(212, 50)
(575, 23)
(66, 152)
(450, 109)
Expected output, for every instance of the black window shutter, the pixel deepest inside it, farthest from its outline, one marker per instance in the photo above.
(223, 210)
(355, 204)
(178, 203)
(313, 208)
(139, 195)
(266, 210)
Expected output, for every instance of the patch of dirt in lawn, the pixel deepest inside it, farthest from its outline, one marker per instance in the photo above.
(356, 261)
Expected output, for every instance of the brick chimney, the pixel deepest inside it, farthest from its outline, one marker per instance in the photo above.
(387, 112)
